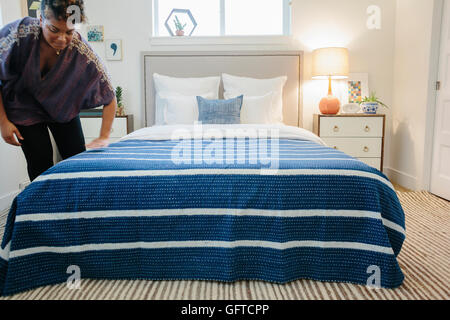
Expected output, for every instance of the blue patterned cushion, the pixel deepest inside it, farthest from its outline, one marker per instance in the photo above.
(220, 111)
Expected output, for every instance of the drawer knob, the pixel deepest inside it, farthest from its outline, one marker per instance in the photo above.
(366, 149)
(336, 129)
(367, 129)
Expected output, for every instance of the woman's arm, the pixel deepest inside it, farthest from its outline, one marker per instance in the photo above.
(109, 113)
(8, 128)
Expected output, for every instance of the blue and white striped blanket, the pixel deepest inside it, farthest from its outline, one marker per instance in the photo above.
(140, 209)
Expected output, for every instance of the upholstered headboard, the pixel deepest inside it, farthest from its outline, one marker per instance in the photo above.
(255, 64)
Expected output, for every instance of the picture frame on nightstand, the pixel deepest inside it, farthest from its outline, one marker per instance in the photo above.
(357, 87)
(351, 91)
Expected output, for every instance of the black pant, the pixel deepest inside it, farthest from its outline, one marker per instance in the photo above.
(37, 145)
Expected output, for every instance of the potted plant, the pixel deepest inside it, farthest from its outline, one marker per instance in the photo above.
(120, 109)
(370, 104)
(180, 27)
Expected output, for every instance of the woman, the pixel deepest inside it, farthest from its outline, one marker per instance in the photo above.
(48, 73)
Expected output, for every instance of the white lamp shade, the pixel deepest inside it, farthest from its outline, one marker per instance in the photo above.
(330, 62)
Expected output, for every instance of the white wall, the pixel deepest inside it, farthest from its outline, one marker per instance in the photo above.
(415, 62)
(11, 10)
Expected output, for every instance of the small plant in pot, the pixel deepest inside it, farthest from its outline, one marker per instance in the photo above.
(180, 27)
(120, 109)
(370, 104)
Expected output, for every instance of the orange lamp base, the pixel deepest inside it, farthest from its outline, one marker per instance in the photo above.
(329, 105)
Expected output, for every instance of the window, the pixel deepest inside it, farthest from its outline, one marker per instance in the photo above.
(224, 17)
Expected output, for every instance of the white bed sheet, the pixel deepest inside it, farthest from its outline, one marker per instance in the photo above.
(179, 132)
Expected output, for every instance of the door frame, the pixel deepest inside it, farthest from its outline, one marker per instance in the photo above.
(438, 19)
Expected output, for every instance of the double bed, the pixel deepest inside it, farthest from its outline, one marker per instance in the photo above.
(211, 202)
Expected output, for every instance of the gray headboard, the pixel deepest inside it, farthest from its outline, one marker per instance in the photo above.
(254, 64)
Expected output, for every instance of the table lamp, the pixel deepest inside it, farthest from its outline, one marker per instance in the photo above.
(330, 63)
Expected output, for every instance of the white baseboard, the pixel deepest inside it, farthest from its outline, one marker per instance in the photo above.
(401, 178)
(7, 199)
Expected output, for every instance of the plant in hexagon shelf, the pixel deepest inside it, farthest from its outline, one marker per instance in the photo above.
(180, 27)
(186, 17)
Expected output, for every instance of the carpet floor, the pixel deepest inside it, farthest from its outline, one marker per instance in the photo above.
(424, 259)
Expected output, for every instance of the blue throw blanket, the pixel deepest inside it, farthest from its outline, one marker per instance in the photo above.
(140, 210)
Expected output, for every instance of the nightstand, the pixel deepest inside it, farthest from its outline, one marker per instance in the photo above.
(358, 135)
(92, 124)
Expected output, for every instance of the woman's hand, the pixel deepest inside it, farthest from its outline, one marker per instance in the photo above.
(109, 113)
(98, 143)
(8, 132)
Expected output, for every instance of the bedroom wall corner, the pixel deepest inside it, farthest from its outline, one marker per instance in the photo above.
(413, 78)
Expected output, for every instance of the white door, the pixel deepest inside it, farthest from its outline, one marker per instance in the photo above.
(440, 172)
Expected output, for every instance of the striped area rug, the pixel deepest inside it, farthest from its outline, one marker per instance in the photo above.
(425, 261)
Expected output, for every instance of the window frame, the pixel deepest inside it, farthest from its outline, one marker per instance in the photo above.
(287, 18)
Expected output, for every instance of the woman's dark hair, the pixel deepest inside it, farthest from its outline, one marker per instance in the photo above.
(58, 9)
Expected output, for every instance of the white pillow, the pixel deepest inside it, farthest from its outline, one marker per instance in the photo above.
(182, 109)
(171, 86)
(259, 87)
(255, 110)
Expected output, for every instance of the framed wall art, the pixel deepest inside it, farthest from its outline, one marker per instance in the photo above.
(95, 33)
(113, 49)
(353, 89)
(357, 87)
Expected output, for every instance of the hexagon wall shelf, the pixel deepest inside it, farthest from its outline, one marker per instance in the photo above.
(185, 12)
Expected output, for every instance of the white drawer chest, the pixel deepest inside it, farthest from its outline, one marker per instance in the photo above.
(120, 128)
(359, 135)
